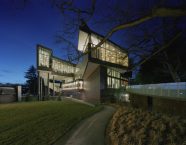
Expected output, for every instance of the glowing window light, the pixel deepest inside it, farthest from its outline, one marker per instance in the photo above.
(77, 85)
(44, 57)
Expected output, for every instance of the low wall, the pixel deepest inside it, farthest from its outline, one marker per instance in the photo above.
(175, 107)
(163, 105)
(8, 98)
(165, 97)
(139, 101)
(10, 94)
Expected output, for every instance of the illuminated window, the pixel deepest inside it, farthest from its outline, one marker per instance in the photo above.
(113, 73)
(44, 57)
(78, 85)
(109, 53)
(62, 67)
(109, 82)
(114, 79)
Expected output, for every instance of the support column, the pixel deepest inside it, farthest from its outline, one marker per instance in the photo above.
(19, 94)
(53, 86)
(48, 89)
(41, 82)
(39, 89)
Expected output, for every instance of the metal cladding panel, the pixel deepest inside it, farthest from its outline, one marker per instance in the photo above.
(82, 41)
(92, 87)
(81, 67)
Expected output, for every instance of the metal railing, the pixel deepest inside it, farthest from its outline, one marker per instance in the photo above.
(166, 90)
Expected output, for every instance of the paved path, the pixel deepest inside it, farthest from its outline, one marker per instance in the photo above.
(92, 130)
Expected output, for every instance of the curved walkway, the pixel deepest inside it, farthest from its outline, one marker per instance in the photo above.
(91, 131)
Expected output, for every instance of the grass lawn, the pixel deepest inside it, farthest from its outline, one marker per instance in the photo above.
(39, 123)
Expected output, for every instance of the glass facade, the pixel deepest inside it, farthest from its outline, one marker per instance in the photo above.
(109, 52)
(76, 85)
(114, 79)
(113, 56)
(44, 57)
(62, 67)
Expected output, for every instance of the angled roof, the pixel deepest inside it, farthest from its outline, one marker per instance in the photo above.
(49, 49)
(39, 45)
(84, 27)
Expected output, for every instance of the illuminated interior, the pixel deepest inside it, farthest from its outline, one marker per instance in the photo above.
(108, 51)
(44, 57)
(77, 85)
(62, 67)
(114, 79)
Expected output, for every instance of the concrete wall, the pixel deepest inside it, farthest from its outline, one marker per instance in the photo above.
(8, 94)
(8, 98)
(139, 101)
(92, 87)
(163, 105)
(175, 107)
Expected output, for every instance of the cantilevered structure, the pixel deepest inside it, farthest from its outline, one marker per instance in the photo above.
(98, 70)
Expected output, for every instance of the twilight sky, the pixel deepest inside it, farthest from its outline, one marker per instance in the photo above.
(21, 28)
(37, 22)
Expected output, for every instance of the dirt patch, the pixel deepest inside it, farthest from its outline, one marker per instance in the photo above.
(131, 126)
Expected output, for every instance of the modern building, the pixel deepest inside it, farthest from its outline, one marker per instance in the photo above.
(98, 72)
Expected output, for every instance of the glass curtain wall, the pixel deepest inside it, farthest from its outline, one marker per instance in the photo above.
(62, 67)
(114, 79)
(109, 52)
(44, 57)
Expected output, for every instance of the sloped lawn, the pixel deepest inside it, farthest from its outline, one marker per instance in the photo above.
(39, 123)
(131, 126)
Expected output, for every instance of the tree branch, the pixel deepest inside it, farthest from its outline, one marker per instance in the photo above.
(159, 12)
(159, 50)
(168, 12)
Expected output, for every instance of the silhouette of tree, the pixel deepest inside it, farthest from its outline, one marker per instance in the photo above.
(167, 66)
(31, 81)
